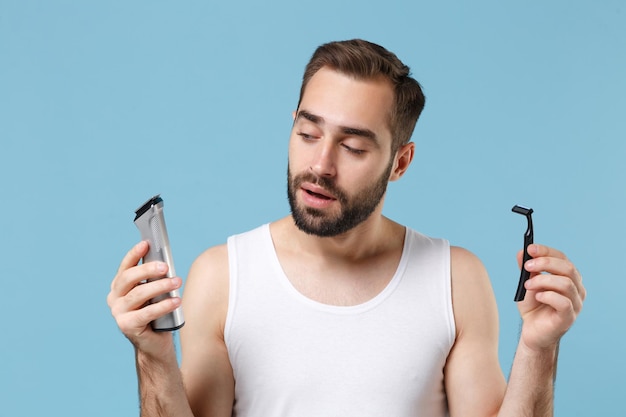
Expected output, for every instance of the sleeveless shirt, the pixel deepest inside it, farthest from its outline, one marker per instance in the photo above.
(292, 356)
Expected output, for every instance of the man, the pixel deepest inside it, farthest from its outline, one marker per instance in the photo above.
(337, 310)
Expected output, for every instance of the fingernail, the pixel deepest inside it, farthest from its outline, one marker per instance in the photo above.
(161, 267)
(530, 264)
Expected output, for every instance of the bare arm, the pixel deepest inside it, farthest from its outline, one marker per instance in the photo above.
(474, 380)
(160, 384)
(204, 385)
(530, 391)
(161, 390)
(475, 384)
(205, 367)
(554, 298)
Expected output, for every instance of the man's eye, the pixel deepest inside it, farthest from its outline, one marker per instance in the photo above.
(306, 136)
(353, 150)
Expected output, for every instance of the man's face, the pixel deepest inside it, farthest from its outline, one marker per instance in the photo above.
(340, 153)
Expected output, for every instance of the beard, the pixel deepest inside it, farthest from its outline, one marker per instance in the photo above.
(353, 209)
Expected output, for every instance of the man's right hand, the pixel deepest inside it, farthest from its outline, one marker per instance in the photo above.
(129, 300)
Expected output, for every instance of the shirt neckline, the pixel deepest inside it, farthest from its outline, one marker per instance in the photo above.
(331, 308)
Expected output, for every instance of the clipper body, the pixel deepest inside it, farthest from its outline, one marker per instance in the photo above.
(528, 239)
(150, 221)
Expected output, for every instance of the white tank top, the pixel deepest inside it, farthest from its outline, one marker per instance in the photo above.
(292, 356)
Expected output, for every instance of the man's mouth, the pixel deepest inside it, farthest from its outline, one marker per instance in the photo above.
(317, 195)
(318, 192)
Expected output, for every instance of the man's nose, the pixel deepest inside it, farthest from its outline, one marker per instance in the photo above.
(324, 163)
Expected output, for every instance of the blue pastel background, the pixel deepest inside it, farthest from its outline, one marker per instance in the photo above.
(105, 103)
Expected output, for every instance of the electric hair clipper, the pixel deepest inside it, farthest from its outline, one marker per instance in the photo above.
(528, 239)
(150, 221)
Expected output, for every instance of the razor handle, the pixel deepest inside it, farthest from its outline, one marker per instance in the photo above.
(528, 240)
(520, 294)
(150, 221)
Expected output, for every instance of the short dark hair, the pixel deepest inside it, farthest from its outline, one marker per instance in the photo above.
(366, 60)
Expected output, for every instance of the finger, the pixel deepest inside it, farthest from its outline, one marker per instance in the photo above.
(135, 322)
(566, 313)
(564, 286)
(536, 251)
(141, 295)
(552, 265)
(130, 278)
(134, 255)
(130, 260)
(557, 266)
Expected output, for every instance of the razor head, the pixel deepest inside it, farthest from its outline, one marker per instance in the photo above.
(147, 205)
(522, 210)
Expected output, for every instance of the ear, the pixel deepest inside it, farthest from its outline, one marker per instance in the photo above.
(403, 159)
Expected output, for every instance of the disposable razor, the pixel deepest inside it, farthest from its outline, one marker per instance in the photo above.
(528, 239)
(150, 221)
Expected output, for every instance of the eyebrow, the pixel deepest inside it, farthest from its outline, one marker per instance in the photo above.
(354, 131)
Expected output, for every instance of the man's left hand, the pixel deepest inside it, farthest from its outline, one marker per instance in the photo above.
(554, 297)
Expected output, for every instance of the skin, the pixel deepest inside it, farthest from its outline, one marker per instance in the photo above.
(348, 115)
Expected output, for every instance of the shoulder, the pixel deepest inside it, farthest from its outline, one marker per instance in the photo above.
(464, 264)
(205, 294)
(475, 351)
(472, 294)
(208, 275)
(211, 261)
(211, 267)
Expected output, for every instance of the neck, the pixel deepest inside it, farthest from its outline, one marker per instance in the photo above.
(375, 235)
